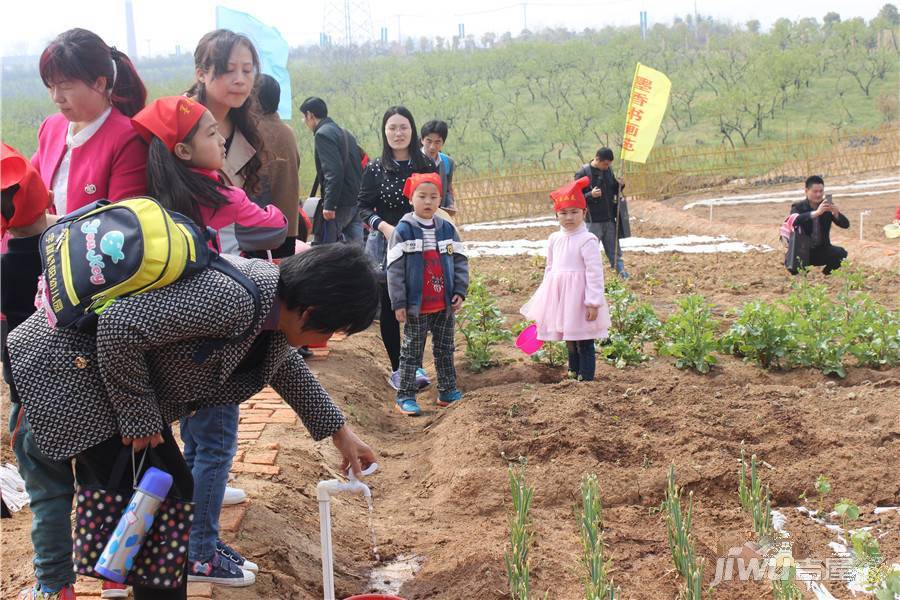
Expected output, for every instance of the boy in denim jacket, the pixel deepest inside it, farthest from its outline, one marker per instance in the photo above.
(428, 277)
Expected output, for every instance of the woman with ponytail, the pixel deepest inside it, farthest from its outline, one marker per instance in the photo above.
(89, 151)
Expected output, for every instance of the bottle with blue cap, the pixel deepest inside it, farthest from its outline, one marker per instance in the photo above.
(117, 558)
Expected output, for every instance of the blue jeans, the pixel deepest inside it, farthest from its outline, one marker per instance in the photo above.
(210, 442)
(345, 227)
(51, 486)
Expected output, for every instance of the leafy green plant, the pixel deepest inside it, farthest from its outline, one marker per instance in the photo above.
(847, 510)
(597, 583)
(761, 334)
(482, 325)
(873, 333)
(890, 586)
(823, 488)
(868, 558)
(689, 335)
(681, 544)
(521, 535)
(633, 323)
(817, 329)
(554, 354)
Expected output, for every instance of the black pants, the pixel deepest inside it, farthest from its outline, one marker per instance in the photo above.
(828, 255)
(94, 466)
(283, 251)
(390, 329)
(582, 359)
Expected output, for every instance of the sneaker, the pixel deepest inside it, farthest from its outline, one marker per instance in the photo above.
(624, 274)
(38, 592)
(110, 589)
(226, 551)
(233, 496)
(448, 398)
(409, 406)
(394, 380)
(304, 352)
(422, 380)
(220, 571)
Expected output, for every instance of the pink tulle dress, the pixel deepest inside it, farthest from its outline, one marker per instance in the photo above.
(573, 280)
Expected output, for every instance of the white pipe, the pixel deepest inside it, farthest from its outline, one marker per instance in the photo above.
(324, 491)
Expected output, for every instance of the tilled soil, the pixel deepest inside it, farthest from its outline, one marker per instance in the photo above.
(442, 493)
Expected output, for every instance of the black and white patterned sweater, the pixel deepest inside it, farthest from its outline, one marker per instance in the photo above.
(138, 372)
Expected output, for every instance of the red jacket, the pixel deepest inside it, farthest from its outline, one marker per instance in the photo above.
(112, 164)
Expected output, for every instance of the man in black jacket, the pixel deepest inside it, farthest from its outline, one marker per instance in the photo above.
(339, 171)
(602, 201)
(814, 217)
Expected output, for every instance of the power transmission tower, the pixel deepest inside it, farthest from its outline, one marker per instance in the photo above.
(347, 22)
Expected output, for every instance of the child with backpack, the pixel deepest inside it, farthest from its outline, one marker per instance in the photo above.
(570, 304)
(427, 278)
(186, 152)
(48, 482)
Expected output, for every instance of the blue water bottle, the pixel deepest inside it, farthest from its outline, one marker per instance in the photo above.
(118, 556)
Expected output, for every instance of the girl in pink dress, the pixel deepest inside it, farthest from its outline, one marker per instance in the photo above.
(570, 304)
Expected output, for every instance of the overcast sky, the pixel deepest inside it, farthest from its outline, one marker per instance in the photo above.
(162, 24)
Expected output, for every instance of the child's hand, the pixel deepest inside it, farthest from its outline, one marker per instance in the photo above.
(456, 303)
(592, 312)
(400, 313)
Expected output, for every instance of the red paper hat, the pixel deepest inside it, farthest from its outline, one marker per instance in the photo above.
(417, 179)
(570, 195)
(31, 199)
(170, 119)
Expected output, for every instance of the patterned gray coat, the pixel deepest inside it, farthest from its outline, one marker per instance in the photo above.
(138, 373)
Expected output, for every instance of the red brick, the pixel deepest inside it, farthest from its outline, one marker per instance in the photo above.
(243, 467)
(251, 426)
(256, 419)
(261, 458)
(231, 516)
(272, 446)
(283, 416)
(199, 590)
(248, 435)
(253, 412)
(338, 337)
(319, 353)
(87, 587)
(239, 455)
(266, 394)
(270, 405)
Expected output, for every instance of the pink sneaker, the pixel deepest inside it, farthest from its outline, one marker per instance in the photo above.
(114, 590)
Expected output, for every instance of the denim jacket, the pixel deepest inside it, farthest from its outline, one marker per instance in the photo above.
(406, 264)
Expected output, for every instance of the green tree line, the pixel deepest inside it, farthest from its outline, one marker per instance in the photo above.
(551, 98)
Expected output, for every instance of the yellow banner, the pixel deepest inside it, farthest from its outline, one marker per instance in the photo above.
(646, 109)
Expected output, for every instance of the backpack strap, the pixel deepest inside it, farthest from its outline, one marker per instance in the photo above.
(226, 268)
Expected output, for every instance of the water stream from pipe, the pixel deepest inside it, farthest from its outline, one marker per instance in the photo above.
(372, 529)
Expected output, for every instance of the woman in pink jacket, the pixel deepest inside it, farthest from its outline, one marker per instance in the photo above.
(89, 151)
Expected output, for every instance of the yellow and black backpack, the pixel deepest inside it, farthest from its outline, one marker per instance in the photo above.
(105, 251)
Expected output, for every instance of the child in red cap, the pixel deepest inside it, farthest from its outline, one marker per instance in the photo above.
(185, 155)
(183, 162)
(427, 277)
(49, 483)
(570, 304)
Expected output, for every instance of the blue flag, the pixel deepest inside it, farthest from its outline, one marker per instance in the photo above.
(270, 45)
